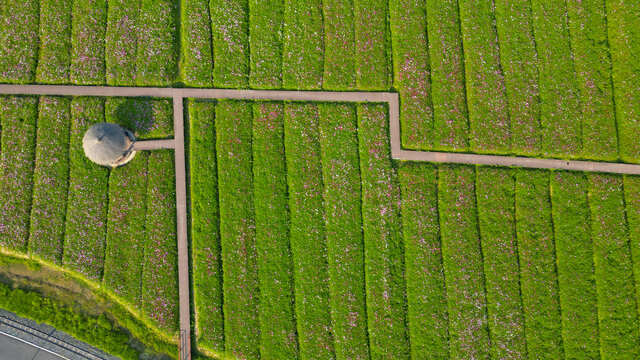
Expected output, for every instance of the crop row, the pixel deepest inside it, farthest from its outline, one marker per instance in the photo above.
(339, 45)
(18, 40)
(54, 55)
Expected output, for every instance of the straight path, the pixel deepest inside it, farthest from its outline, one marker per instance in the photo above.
(178, 94)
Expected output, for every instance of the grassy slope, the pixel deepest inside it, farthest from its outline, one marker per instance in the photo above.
(230, 41)
(18, 40)
(54, 56)
(121, 41)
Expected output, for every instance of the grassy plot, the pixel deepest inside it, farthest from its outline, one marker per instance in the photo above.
(427, 302)
(623, 30)
(89, 24)
(411, 73)
(157, 55)
(303, 45)
(462, 259)
(307, 232)
(278, 338)
(18, 40)
(18, 118)
(486, 94)
(54, 56)
(617, 305)
(383, 250)
(373, 58)
(575, 265)
(632, 202)
(196, 66)
(160, 268)
(339, 45)
(121, 42)
(50, 180)
(519, 62)
(538, 273)
(86, 219)
(126, 229)
(450, 118)
(205, 227)
(230, 43)
(148, 118)
(343, 224)
(592, 62)
(495, 193)
(237, 229)
(559, 98)
(265, 43)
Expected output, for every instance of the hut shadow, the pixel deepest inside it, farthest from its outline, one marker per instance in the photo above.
(138, 116)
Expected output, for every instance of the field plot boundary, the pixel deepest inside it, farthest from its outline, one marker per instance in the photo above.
(177, 143)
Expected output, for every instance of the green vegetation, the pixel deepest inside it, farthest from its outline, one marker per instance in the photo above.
(339, 45)
(265, 42)
(18, 40)
(229, 28)
(157, 43)
(303, 48)
(632, 201)
(372, 41)
(121, 41)
(89, 23)
(197, 57)
(55, 41)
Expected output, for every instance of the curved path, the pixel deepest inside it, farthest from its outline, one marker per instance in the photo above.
(178, 94)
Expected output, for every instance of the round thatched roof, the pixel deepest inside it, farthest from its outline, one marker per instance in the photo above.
(106, 143)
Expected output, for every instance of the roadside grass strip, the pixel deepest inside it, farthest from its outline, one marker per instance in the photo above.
(54, 56)
(537, 258)
(196, 67)
(157, 43)
(519, 61)
(50, 180)
(411, 73)
(126, 233)
(372, 40)
(623, 30)
(463, 267)
(592, 62)
(88, 27)
(383, 248)
(147, 118)
(160, 268)
(450, 116)
(205, 227)
(303, 45)
(343, 225)
(617, 304)
(121, 42)
(230, 34)
(18, 118)
(265, 43)
(278, 338)
(486, 93)
(576, 275)
(560, 116)
(18, 40)
(495, 193)
(632, 201)
(238, 229)
(307, 231)
(427, 302)
(339, 45)
(86, 220)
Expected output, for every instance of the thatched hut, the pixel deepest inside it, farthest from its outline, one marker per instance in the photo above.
(108, 145)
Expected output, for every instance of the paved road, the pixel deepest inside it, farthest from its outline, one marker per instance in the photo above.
(13, 349)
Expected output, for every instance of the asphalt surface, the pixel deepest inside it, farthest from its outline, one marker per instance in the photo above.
(12, 349)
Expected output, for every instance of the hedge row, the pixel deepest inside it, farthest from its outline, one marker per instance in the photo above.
(495, 193)
(265, 42)
(343, 227)
(427, 302)
(373, 58)
(632, 201)
(87, 203)
(157, 43)
(278, 338)
(196, 66)
(519, 61)
(617, 305)
(623, 30)
(486, 94)
(383, 250)
(538, 273)
(50, 180)
(230, 43)
(411, 72)
(450, 117)
(18, 117)
(462, 258)
(121, 41)
(303, 45)
(237, 229)
(575, 265)
(205, 227)
(339, 45)
(54, 55)
(18, 40)
(307, 232)
(89, 24)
